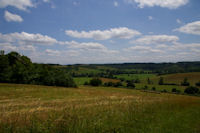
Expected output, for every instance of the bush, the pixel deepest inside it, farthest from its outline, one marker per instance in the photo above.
(145, 87)
(185, 82)
(198, 83)
(95, 82)
(191, 90)
(130, 84)
(174, 90)
(117, 84)
(164, 91)
(108, 84)
(153, 88)
(86, 83)
(161, 81)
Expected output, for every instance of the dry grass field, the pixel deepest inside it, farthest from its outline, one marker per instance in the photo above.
(44, 109)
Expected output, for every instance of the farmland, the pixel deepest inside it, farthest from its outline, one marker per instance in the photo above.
(33, 108)
(140, 97)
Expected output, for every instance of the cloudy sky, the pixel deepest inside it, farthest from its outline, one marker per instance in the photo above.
(101, 31)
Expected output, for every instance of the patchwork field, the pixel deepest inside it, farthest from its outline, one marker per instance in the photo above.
(33, 108)
(177, 78)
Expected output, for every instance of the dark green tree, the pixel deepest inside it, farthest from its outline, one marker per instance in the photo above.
(161, 81)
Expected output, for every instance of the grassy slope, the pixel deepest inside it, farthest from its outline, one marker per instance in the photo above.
(193, 77)
(32, 108)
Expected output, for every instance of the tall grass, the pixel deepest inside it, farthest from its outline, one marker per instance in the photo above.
(99, 109)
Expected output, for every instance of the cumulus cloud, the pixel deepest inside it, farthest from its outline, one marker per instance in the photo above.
(121, 33)
(20, 4)
(115, 3)
(27, 48)
(8, 47)
(27, 38)
(143, 49)
(156, 39)
(150, 17)
(46, 1)
(190, 28)
(52, 52)
(88, 45)
(171, 4)
(178, 21)
(12, 17)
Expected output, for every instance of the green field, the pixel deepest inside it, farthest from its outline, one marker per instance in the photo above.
(141, 77)
(44, 109)
(81, 80)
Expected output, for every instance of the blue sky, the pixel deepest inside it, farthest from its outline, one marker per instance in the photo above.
(103, 31)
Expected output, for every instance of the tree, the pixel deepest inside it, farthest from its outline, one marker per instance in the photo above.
(16, 68)
(191, 90)
(108, 84)
(161, 81)
(145, 87)
(130, 84)
(95, 82)
(185, 82)
(174, 90)
(153, 88)
(198, 83)
(117, 84)
(5, 71)
(148, 81)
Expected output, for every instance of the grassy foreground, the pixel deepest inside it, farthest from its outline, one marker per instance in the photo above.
(43, 109)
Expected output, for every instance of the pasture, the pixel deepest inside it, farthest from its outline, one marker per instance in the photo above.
(45, 109)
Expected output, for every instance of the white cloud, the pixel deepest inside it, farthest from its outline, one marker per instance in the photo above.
(8, 47)
(156, 39)
(150, 17)
(20, 4)
(27, 48)
(190, 28)
(178, 21)
(115, 3)
(143, 49)
(171, 4)
(122, 33)
(51, 52)
(46, 1)
(88, 45)
(12, 17)
(27, 38)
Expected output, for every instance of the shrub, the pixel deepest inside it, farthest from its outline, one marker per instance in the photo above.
(198, 83)
(185, 82)
(108, 84)
(145, 87)
(95, 82)
(130, 84)
(86, 83)
(117, 84)
(164, 91)
(153, 88)
(174, 90)
(191, 90)
(161, 81)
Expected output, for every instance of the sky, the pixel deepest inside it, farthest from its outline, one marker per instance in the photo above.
(101, 31)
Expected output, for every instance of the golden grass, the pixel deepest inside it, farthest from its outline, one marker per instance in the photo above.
(20, 103)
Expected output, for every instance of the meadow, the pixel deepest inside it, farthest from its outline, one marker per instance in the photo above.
(46, 109)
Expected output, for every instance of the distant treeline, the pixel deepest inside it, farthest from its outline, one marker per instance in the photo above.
(158, 68)
(161, 68)
(16, 68)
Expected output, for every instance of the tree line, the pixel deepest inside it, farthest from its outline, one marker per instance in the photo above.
(16, 68)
